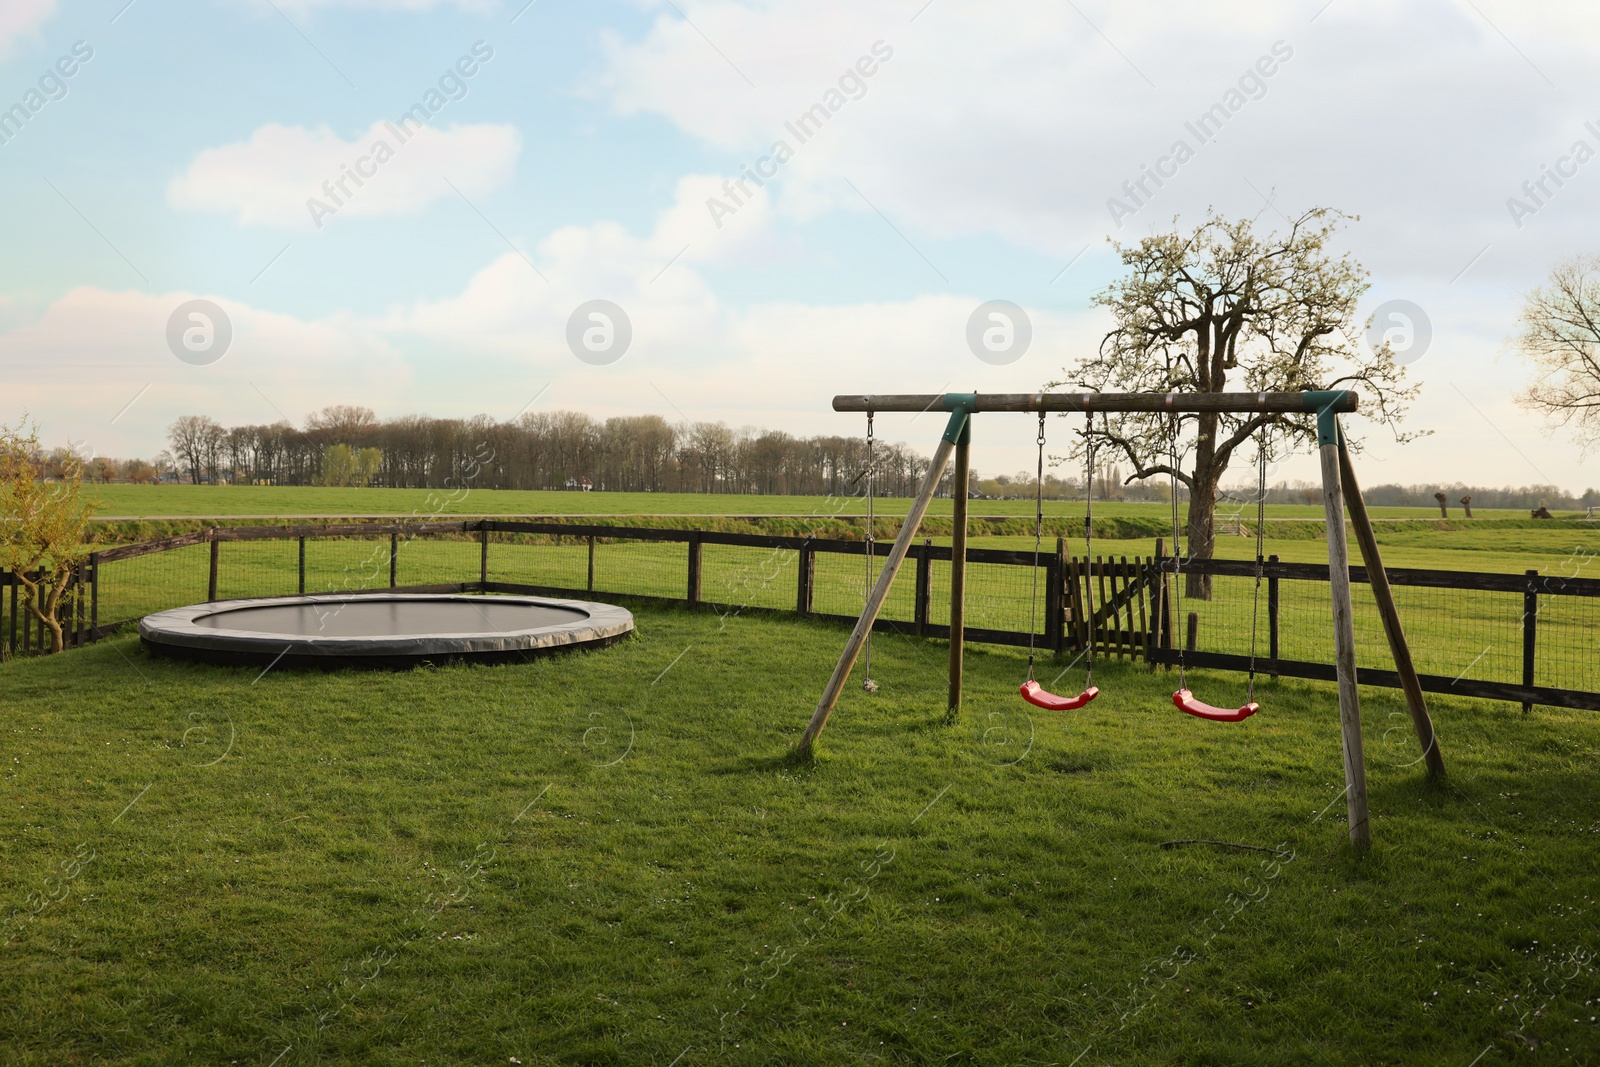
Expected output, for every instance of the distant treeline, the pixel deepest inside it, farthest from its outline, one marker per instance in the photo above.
(1422, 496)
(345, 445)
(545, 450)
(1507, 496)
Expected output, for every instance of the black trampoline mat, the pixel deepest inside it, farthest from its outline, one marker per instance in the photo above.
(392, 618)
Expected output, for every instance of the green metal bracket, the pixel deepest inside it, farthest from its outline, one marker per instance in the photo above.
(960, 405)
(1326, 402)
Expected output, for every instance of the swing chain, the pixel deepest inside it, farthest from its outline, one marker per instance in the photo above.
(1088, 540)
(1038, 539)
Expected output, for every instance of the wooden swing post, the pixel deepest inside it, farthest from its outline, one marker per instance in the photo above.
(1344, 634)
(958, 564)
(959, 417)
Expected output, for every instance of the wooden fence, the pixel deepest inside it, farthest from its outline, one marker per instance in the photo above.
(1532, 590)
(1119, 625)
(1132, 596)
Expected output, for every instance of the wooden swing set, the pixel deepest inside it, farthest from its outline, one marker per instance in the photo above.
(1339, 493)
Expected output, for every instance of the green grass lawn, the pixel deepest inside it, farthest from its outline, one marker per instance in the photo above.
(141, 501)
(607, 858)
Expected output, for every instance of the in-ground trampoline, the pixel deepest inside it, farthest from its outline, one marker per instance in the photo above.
(383, 630)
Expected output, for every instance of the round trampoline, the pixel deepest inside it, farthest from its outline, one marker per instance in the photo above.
(392, 630)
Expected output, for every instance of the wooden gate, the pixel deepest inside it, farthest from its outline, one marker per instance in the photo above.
(1128, 599)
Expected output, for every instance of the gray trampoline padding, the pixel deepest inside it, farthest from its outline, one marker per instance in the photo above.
(393, 618)
(387, 626)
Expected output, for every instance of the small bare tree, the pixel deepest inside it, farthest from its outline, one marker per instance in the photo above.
(1560, 336)
(1222, 306)
(42, 527)
(195, 441)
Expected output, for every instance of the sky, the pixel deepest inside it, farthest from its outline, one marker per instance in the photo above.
(734, 209)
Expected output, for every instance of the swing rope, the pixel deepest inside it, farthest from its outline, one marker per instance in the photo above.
(870, 474)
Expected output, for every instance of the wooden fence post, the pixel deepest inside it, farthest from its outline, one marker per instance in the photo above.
(1272, 620)
(590, 586)
(80, 605)
(805, 576)
(211, 585)
(483, 556)
(1163, 610)
(693, 592)
(1077, 593)
(302, 564)
(1055, 603)
(75, 606)
(1530, 632)
(958, 563)
(924, 592)
(394, 558)
(1151, 603)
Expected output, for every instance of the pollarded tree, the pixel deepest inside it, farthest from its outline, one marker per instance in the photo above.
(1225, 309)
(1560, 335)
(43, 524)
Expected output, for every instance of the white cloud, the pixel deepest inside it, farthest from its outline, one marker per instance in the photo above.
(500, 341)
(403, 6)
(1420, 116)
(19, 18)
(93, 351)
(282, 173)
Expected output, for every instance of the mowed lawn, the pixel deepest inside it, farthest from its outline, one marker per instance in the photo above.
(609, 858)
(140, 501)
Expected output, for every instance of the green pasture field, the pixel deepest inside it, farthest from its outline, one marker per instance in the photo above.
(141, 501)
(1568, 550)
(609, 858)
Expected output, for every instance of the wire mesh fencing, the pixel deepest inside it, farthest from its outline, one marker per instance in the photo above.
(132, 587)
(132, 581)
(740, 577)
(1503, 636)
(1522, 638)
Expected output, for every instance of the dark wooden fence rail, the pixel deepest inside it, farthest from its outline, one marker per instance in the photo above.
(1132, 615)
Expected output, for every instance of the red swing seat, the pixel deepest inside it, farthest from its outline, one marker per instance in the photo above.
(1184, 700)
(1035, 694)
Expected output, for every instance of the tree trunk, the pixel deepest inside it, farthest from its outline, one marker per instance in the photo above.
(42, 606)
(1202, 533)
